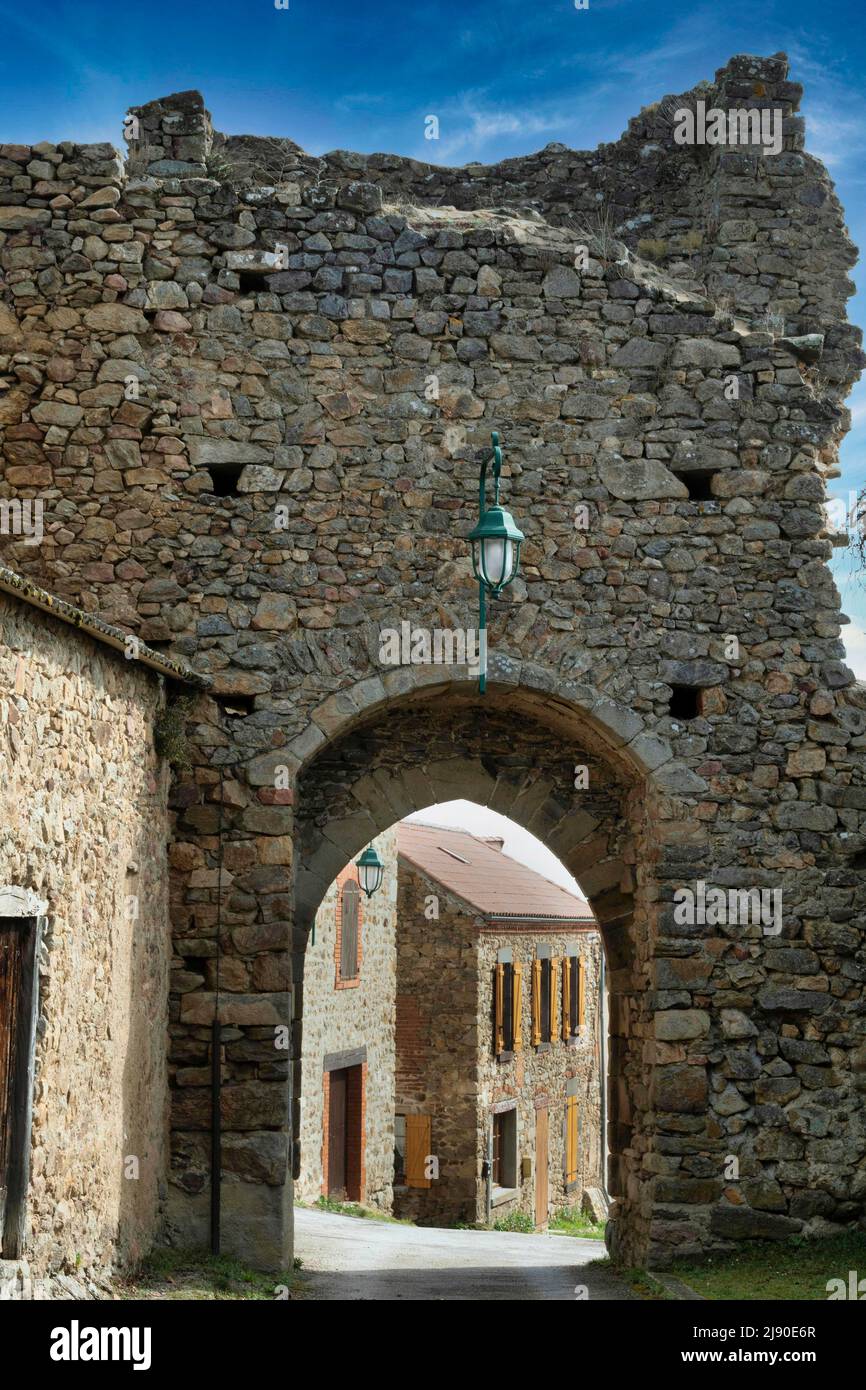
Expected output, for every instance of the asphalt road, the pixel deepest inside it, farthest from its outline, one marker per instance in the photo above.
(346, 1257)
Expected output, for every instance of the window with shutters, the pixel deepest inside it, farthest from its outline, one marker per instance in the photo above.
(399, 1150)
(572, 1139)
(350, 902)
(504, 1172)
(544, 985)
(418, 1129)
(507, 991)
(573, 996)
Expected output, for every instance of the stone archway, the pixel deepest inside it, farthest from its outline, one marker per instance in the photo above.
(520, 750)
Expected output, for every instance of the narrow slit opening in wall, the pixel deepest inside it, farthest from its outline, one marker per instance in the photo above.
(225, 478)
(699, 484)
(686, 702)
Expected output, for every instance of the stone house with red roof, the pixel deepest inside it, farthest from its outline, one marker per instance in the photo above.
(453, 1069)
(499, 1057)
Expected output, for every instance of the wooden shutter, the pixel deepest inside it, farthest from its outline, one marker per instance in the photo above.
(571, 1137)
(417, 1150)
(581, 992)
(536, 1003)
(554, 985)
(349, 904)
(566, 998)
(499, 1009)
(516, 1006)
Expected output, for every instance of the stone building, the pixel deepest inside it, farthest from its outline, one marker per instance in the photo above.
(85, 945)
(499, 1045)
(252, 388)
(347, 1094)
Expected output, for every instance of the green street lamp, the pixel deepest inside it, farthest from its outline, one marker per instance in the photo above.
(496, 544)
(370, 870)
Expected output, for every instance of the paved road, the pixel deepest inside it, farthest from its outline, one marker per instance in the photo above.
(346, 1257)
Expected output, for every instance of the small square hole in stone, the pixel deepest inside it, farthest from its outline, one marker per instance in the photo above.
(699, 484)
(224, 477)
(685, 702)
(250, 282)
(236, 706)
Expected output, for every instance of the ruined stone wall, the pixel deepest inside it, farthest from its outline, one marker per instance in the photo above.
(153, 336)
(344, 1019)
(84, 825)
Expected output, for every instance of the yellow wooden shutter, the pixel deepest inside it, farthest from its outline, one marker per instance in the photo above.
(581, 993)
(554, 986)
(417, 1150)
(536, 1002)
(499, 1007)
(571, 1139)
(516, 1006)
(566, 998)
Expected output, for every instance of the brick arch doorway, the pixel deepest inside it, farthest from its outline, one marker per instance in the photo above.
(537, 761)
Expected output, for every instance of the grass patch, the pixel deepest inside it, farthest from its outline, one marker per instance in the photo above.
(571, 1221)
(355, 1209)
(643, 1283)
(194, 1274)
(795, 1269)
(652, 249)
(519, 1221)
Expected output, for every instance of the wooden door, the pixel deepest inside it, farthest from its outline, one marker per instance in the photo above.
(11, 941)
(541, 1165)
(18, 1010)
(337, 1135)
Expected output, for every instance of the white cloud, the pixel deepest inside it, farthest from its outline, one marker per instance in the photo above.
(477, 125)
(854, 637)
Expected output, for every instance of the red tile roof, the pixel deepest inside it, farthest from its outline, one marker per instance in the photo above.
(477, 871)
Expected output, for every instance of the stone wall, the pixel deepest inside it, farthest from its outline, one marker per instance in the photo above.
(340, 356)
(84, 826)
(446, 1067)
(339, 1020)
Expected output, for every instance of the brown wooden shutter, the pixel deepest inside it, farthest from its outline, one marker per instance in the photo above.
(554, 986)
(566, 998)
(417, 1150)
(571, 1137)
(517, 1006)
(536, 1003)
(349, 905)
(581, 992)
(499, 1009)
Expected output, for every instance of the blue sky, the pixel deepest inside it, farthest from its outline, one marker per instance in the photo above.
(504, 77)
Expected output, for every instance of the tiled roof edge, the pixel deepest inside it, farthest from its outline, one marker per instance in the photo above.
(18, 587)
